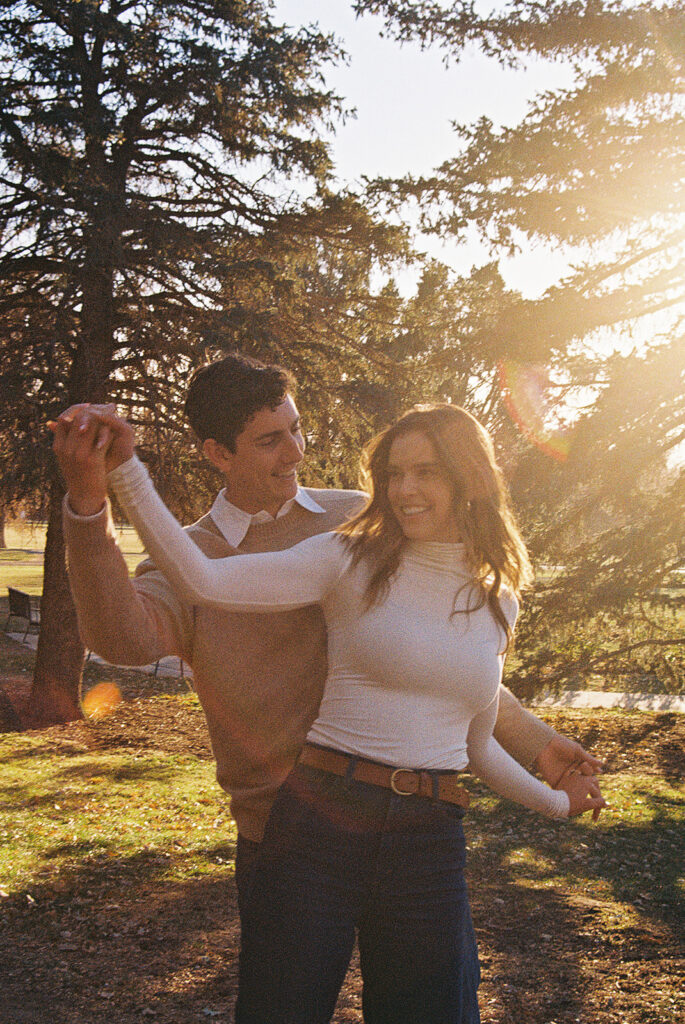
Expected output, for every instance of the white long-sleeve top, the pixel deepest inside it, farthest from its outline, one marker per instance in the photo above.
(409, 683)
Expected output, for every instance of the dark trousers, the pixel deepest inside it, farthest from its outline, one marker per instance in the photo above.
(339, 857)
(246, 854)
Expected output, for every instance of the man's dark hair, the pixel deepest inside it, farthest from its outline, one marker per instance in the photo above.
(223, 395)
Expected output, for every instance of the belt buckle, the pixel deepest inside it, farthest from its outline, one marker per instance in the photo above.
(393, 782)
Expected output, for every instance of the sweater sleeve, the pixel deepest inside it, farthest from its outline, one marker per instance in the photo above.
(272, 581)
(127, 622)
(519, 731)
(505, 776)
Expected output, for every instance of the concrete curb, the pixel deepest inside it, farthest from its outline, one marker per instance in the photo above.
(613, 699)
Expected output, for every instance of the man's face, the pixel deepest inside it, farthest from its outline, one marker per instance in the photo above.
(262, 472)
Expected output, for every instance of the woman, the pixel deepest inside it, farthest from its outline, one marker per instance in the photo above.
(419, 595)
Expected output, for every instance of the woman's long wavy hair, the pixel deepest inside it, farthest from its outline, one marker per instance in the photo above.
(486, 524)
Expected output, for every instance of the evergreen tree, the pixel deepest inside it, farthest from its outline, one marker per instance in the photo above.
(144, 148)
(597, 168)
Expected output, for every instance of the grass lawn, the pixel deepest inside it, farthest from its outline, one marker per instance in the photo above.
(62, 805)
(21, 563)
(61, 811)
(118, 901)
(31, 537)
(22, 571)
(25, 572)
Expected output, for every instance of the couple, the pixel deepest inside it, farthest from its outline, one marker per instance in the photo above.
(417, 591)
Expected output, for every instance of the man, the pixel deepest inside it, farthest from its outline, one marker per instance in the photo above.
(259, 677)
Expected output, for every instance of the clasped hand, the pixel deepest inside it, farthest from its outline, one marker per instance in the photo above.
(89, 442)
(565, 764)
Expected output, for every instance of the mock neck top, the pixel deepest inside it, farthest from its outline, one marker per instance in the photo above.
(412, 680)
(444, 557)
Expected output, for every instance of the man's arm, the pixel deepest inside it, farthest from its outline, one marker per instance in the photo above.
(576, 795)
(127, 622)
(531, 741)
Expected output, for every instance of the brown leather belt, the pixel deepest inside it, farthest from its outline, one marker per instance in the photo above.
(403, 781)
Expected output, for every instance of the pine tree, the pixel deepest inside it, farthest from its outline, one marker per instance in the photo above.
(598, 168)
(145, 148)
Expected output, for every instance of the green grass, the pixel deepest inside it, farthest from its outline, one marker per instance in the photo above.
(634, 855)
(31, 537)
(23, 574)
(63, 808)
(24, 570)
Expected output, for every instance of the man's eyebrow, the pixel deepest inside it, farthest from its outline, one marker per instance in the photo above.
(275, 433)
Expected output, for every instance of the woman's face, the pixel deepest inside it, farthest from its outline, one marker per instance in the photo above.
(419, 491)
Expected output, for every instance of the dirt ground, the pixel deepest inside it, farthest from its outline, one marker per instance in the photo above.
(126, 947)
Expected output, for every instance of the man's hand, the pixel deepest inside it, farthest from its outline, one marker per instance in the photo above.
(563, 758)
(90, 441)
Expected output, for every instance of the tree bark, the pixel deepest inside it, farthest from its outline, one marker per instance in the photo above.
(3, 542)
(56, 692)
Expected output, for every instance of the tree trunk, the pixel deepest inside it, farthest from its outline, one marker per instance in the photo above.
(3, 542)
(56, 692)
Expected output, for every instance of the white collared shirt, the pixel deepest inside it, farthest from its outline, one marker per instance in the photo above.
(234, 523)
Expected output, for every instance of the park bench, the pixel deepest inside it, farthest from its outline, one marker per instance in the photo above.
(21, 606)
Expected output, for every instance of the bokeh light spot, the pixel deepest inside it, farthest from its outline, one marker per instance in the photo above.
(101, 700)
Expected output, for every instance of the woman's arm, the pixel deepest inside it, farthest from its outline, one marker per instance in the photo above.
(506, 777)
(274, 581)
(563, 763)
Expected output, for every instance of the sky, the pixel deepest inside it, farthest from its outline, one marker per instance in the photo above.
(405, 100)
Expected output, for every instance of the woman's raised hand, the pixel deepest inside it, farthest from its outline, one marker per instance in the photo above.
(89, 442)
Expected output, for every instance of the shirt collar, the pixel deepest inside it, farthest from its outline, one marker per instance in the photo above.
(234, 523)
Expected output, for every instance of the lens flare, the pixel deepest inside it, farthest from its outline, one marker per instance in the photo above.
(101, 700)
(525, 390)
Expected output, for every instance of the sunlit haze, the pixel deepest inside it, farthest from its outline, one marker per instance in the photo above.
(405, 101)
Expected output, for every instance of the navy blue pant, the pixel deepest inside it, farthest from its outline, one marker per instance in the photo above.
(339, 857)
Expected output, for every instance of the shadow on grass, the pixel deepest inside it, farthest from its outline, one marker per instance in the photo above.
(639, 863)
(50, 748)
(668, 757)
(115, 938)
(118, 939)
(147, 770)
(564, 910)
(20, 797)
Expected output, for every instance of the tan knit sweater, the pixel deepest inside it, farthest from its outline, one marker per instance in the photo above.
(259, 676)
